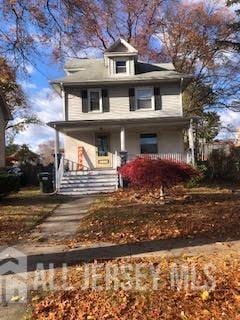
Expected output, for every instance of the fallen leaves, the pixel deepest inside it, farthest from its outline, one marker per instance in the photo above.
(165, 303)
(121, 219)
(20, 212)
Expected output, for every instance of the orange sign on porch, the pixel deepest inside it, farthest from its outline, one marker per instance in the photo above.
(80, 158)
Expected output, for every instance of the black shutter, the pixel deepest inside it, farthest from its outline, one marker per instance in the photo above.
(84, 101)
(132, 105)
(157, 98)
(105, 100)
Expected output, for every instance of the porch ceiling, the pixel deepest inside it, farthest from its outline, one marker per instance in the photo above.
(83, 125)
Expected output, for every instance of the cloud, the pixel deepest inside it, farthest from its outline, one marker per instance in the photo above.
(28, 85)
(229, 119)
(46, 104)
(29, 68)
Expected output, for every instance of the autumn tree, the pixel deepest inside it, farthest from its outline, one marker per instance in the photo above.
(233, 41)
(16, 101)
(189, 36)
(162, 30)
(46, 152)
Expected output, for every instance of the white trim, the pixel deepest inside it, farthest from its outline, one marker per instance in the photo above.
(114, 65)
(124, 43)
(100, 100)
(152, 99)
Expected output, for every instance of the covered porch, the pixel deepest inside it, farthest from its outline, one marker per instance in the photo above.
(106, 144)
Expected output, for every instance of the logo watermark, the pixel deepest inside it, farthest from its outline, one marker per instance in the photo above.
(116, 275)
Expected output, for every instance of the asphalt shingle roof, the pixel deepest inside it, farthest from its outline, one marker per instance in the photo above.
(94, 70)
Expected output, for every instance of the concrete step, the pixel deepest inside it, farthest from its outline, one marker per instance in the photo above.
(89, 182)
(88, 185)
(91, 172)
(90, 178)
(83, 192)
(86, 190)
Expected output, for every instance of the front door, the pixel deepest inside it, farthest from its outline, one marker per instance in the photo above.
(103, 158)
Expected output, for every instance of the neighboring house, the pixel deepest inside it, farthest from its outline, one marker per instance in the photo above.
(205, 149)
(5, 116)
(117, 106)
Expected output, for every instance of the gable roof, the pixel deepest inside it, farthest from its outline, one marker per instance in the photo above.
(4, 108)
(121, 45)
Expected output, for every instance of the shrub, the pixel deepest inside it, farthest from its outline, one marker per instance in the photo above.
(148, 173)
(195, 180)
(224, 167)
(9, 183)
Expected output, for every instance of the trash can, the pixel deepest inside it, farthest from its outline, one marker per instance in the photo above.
(46, 182)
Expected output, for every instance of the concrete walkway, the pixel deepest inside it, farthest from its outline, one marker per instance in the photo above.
(64, 221)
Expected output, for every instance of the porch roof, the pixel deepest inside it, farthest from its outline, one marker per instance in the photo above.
(88, 124)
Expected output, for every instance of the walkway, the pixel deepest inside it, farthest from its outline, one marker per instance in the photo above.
(64, 221)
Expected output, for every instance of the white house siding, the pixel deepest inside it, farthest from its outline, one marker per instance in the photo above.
(119, 104)
(2, 140)
(169, 141)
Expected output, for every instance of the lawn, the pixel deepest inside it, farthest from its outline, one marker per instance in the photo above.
(151, 296)
(200, 287)
(121, 218)
(21, 211)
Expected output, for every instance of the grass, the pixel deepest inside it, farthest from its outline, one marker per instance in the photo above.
(21, 211)
(214, 295)
(206, 286)
(121, 219)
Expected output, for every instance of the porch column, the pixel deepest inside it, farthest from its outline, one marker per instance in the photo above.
(56, 152)
(191, 142)
(123, 139)
(123, 152)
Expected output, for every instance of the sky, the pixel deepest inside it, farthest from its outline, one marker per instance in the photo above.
(43, 101)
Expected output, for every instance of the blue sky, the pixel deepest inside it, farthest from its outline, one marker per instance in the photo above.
(43, 101)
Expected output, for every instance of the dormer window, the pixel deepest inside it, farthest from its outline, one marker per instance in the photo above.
(121, 66)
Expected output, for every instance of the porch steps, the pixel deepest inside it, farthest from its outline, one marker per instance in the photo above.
(88, 182)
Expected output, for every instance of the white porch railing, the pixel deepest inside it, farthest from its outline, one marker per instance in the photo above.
(59, 174)
(177, 157)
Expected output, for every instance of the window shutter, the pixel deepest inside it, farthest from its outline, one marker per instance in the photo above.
(157, 98)
(132, 105)
(84, 101)
(105, 100)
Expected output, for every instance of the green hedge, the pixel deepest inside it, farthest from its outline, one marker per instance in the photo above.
(9, 183)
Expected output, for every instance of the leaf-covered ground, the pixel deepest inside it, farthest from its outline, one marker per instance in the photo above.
(125, 218)
(166, 301)
(20, 212)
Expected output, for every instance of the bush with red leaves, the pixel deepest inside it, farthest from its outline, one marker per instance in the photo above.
(148, 173)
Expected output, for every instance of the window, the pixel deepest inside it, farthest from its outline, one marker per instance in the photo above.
(148, 143)
(144, 98)
(94, 100)
(121, 66)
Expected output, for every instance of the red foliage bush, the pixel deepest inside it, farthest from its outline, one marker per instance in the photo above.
(148, 173)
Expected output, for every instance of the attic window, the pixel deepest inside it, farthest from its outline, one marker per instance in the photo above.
(121, 66)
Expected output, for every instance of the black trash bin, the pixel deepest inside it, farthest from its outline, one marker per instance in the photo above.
(46, 182)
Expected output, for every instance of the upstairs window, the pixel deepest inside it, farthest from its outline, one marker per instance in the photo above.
(94, 100)
(148, 143)
(144, 98)
(121, 66)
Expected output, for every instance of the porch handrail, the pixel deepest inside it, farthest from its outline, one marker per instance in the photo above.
(175, 156)
(70, 165)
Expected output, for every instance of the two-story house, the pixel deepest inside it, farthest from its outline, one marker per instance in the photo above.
(112, 105)
(5, 116)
